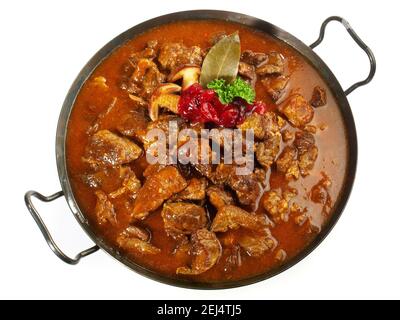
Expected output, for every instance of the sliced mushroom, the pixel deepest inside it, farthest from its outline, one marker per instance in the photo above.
(164, 97)
(189, 74)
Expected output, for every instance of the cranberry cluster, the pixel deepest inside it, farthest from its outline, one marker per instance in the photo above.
(203, 105)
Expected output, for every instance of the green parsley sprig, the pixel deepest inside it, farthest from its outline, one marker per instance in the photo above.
(237, 89)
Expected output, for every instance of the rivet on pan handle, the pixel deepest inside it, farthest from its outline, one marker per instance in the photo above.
(361, 44)
(45, 231)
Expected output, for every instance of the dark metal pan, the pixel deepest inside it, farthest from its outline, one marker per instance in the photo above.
(306, 51)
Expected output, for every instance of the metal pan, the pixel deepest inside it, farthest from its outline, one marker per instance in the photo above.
(306, 51)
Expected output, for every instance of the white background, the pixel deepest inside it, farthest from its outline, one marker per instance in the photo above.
(43, 46)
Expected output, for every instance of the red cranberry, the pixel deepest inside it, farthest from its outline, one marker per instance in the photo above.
(203, 105)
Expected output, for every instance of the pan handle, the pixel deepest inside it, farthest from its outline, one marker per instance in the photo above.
(45, 231)
(360, 43)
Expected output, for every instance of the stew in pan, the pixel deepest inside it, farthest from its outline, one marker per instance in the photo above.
(207, 221)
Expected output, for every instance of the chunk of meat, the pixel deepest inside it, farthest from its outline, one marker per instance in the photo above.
(256, 244)
(219, 197)
(264, 126)
(158, 188)
(130, 185)
(275, 86)
(246, 187)
(182, 218)
(97, 124)
(318, 97)
(304, 141)
(320, 193)
(232, 217)
(253, 58)
(288, 164)
(204, 165)
(217, 37)
(297, 110)
(134, 238)
(280, 255)
(196, 190)
(173, 55)
(287, 135)
(139, 233)
(267, 150)
(163, 123)
(152, 169)
(133, 124)
(248, 72)
(149, 52)
(206, 251)
(108, 149)
(142, 75)
(261, 176)
(147, 75)
(308, 152)
(276, 206)
(274, 64)
(104, 209)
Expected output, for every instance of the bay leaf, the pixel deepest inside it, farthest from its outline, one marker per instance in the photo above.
(222, 61)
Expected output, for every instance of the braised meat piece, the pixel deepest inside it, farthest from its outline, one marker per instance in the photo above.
(248, 72)
(142, 75)
(288, 164)
(275, 86)
(152, 169)
(108, 149)
(147, 76)
(158, 188)
(303, 141)
(297, 110)
(318, 97)
(253, 58)
(133, 124)
(196, 190)
(206, 251)
(320, 193)
(261, 176)
(130, 185)
(232, 217)
(287, 135)
(163, 123)
(217, 36)
(204, 159)
(264, 126)
(219, 197)
(134, 238)
(173, 55)
(182, 219)
(280, 255)
(246, 187)
(308, 152)
(149, 52)
(267, 150)
(276, 206)
(256, 244)
(104, 209)
(274, 64)
(307, 160)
